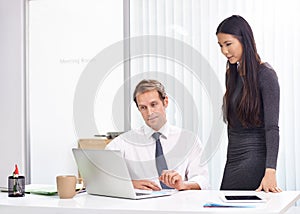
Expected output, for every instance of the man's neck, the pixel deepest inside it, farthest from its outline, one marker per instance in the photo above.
(157, 129)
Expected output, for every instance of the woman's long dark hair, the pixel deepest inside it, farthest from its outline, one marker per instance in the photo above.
(248, 108)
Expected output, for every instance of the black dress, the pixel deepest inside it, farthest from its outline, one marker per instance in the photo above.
(251, 150)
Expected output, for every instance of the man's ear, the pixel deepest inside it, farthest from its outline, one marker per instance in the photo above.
(166, 102)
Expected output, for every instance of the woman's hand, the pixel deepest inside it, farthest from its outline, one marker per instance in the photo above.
(268, 183)
(145, 185)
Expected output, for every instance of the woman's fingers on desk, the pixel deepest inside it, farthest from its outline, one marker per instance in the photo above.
(145, 185)
(277, 189)
(269, 183)
(268, 189)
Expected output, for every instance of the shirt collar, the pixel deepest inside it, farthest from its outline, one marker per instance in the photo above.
(164, 130)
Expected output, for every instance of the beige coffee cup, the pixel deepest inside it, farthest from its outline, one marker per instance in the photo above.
(66, 186)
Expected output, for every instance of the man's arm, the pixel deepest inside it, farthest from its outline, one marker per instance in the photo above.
(196, 173)
(174, 180)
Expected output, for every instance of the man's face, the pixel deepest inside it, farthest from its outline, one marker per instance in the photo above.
(152, 108)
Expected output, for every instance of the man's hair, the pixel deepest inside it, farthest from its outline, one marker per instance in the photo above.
(149, 85)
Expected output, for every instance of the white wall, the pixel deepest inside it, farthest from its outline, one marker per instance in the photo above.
(12, 121)
(12, 92)
(62, 51)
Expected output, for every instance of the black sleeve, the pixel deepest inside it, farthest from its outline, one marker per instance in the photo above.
(270, 93)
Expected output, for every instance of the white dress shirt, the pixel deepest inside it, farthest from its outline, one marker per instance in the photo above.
(182, 150)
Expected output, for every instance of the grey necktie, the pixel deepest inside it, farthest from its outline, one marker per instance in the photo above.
(160, 160)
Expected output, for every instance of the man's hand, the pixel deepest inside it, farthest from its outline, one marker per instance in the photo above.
(174, 180)
(145, 185)
(268, 183)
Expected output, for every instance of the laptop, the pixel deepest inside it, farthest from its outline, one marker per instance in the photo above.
(105, 173)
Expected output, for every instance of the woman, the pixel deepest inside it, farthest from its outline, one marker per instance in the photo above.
(250, 109)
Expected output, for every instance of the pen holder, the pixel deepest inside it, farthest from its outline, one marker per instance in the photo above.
(16, 186)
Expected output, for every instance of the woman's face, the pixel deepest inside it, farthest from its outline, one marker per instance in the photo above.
(230, 47)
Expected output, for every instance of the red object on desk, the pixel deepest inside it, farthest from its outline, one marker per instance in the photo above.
(16, 172)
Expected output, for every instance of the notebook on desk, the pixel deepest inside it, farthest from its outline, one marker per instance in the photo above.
(105, 173)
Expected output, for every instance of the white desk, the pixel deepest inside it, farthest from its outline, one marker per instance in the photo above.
(181, 202)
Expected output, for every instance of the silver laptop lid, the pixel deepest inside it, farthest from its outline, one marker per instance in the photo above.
(104, 173)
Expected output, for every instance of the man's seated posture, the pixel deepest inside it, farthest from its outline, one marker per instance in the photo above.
(159, 155)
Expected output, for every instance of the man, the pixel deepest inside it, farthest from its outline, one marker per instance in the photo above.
(179, 166)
